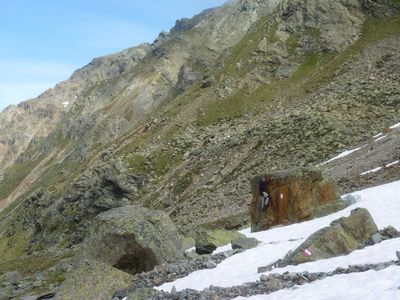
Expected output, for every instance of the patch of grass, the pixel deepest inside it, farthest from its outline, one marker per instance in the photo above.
(164, 161)
(309, 65)
(13, 247)
(244, 49)
(225, 108)
(28, 265)
(137, 163)
(15, 174)
(243, 101)
(183, 183)
(182, 100)
(56, 278)
(159, 162)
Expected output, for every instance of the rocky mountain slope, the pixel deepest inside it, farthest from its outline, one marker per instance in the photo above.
(181, 124)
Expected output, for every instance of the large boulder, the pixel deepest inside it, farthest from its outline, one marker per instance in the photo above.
(133, 239)
(341, 237)
(294, 196)
(93, 280)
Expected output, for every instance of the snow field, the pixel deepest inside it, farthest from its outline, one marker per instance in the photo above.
(383, 202)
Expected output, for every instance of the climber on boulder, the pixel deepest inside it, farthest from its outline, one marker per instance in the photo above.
(263, 193)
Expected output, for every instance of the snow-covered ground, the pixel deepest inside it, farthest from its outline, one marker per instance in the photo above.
(380, 138)
(371, 285)
(383, 202)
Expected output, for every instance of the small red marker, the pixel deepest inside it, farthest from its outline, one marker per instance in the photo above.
(307, 252)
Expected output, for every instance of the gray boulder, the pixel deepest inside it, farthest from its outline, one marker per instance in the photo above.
(244, 243)
(376, 238)
(390, 232)
(204, 245)
(206, 241)
(133, 239)
(13, 277)
(210, 264)
(341, 237)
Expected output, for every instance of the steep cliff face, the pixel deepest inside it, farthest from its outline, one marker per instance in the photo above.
(182, 124)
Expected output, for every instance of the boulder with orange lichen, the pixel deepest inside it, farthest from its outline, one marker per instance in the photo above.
(295, 196)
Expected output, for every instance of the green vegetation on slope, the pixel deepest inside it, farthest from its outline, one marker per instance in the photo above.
(316, 70)
(29, 265)
(14, 175)
(245, 48)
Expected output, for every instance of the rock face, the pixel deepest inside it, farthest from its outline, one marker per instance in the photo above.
(341, 237)
(294, 196)
(93, 280)
(133, 239)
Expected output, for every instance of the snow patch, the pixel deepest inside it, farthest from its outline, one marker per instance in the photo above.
(381, 138)
(371, 171)
(379, 168)
(395, 126)
(392, 164)
(223, 249)
(341, 155)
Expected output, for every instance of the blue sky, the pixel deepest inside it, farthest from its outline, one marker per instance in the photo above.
(43, 41)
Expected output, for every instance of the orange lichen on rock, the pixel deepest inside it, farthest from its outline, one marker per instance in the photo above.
(294, 196)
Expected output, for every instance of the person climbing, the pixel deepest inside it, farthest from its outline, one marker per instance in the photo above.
(263, 193)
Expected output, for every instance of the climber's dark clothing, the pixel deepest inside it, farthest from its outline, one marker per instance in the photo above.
(263, 193)
(263, 186)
